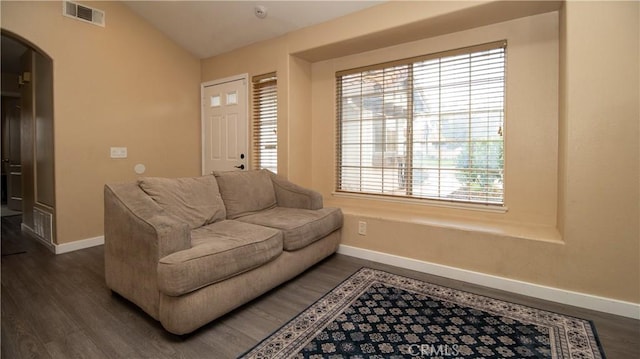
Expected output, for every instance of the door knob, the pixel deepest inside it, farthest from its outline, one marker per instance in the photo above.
(240, 167)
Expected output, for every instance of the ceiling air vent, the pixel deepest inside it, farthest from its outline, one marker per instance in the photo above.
(83, 13)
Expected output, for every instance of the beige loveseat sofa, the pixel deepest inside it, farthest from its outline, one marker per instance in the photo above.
(188, 250)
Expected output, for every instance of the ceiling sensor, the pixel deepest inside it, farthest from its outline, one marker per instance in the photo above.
(260, 11)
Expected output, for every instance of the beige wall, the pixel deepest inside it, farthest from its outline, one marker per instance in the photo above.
(600, 133)
(577, 229)
(573, 104)
(122, 85)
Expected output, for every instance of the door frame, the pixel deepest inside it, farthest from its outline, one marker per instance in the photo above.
(48, 220)
(245, 78)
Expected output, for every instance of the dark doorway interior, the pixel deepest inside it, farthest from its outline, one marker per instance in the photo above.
(12, 51)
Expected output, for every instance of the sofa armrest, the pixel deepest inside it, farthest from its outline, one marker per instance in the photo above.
(291, 195)
(137, 233)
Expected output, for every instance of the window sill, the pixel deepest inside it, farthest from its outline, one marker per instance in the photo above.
(516, 231)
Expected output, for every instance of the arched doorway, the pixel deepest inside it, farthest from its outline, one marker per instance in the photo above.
(28, 153)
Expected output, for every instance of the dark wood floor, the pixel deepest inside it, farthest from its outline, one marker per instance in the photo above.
(59, 307)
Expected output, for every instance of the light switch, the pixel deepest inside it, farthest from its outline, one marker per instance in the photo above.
(118, 152)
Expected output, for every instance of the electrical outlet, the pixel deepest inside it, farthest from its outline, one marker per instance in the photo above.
(118, 152)
(362, 228)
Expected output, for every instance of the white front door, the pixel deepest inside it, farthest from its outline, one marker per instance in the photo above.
(225, 125)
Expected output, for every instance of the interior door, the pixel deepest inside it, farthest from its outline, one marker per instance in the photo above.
(11, 161)
(224, 126)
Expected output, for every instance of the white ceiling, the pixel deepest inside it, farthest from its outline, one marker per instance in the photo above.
(208, 28)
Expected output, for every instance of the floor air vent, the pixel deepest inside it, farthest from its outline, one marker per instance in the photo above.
(43, 223)
(83, 13)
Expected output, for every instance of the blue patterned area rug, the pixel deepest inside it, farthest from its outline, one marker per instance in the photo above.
(375, 314)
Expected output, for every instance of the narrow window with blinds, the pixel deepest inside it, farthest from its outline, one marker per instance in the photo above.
(265, 122)
(429, 127)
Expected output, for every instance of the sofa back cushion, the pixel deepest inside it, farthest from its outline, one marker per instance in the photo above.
(194, 200)
(246, 192)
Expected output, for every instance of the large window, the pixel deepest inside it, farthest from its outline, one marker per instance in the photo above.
(427, 127)
(265, 122)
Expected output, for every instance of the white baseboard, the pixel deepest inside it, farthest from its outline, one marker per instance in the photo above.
(77, 245)
(65, 247)
(583, 300)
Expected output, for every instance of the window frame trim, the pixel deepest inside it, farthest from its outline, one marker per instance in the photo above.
(259, 82)
(410, 60)
(406, 199)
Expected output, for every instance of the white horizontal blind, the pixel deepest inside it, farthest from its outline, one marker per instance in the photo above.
(427, 127)
(265, 122)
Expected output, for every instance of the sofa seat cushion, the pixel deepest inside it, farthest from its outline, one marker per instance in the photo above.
(299, 226)
(219, 251)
